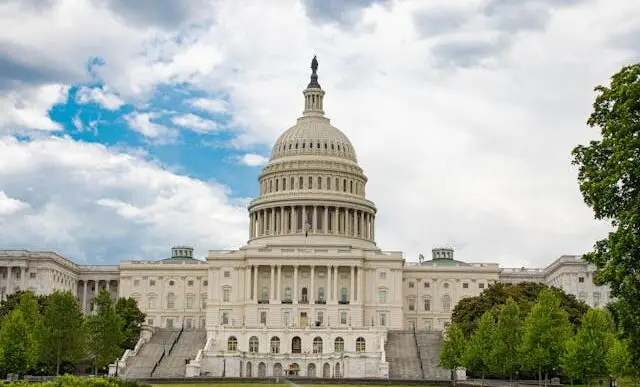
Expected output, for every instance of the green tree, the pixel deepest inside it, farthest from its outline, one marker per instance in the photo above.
(585, 353)
(105, 335)
(468, 311)
(477, 354)
(31, 312)
(507, 340)
(12, 301)
(617, 359)
(452, 350)
(14, 350)
(132, 320)
(63, 333)
(545, 331)
(609, 178)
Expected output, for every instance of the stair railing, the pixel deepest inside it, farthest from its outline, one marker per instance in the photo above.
(176, 340)
(415, 337)
(157, 363)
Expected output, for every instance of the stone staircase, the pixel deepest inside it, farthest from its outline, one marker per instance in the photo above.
(429, 343)
(402, 355)
(141, 365)
(174, 365)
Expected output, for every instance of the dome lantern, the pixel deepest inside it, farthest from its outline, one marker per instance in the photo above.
(313, 94)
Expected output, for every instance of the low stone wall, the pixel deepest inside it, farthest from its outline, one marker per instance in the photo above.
(300, 380)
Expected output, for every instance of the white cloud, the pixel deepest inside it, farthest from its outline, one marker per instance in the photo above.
(90, 202)
(141, 123)
(9, 206)
(195, 123)
(253, 160)
(210, 105)
(102, 97)
(28, 109)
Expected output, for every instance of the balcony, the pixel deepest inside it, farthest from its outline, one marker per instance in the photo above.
(287, 301)
(343, 302)
(304, 301)
(321, 301)
(263, 301)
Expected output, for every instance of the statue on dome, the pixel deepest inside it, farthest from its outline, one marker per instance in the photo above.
(314, 64)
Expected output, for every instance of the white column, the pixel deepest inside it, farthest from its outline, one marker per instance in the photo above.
(361, 227)
(255, 283)
(373, 228)
(283, 221)
(359, 297)
(330, 294)
(9, 280)
(314, 219)
(296, 296)
(312, 290)
(325, 220)
(352, 287)
(335, 282)
(247, 284)
(273, 283)
(304, 217)
(84, 297)
(279, 284)
(291, 219)
(23, 279)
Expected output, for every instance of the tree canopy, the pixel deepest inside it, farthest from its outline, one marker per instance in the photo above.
(468, 311)
(132, 320)
(609, 179)
(104, 332)
(452, 349)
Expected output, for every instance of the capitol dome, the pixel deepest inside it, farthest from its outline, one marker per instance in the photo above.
(312, 190)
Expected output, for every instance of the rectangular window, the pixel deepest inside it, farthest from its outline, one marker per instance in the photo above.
(152, 302)
(286, 318)
(226, 295)
(150, 322)
(190, 283)
(190, 301)
(225, 318)
(426, 284)
(581, 279)
(343, 318)
(263, 317)
(412, 304)
(227, 274)
(427, 304)
(205, 283)
(136, 283)
(382, 296)
(411, 284)
(383, 319)
(465, 285)
(32, 275)
(481, 286)
(320, 319)
(152, 282)
(203, 298)
(383, 275)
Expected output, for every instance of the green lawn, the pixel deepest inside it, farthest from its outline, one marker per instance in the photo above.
(264, 385)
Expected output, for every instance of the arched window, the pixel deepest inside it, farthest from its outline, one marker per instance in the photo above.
(253, 344)
(296, 345)
(328, 181)
(338, 345)
(151, 298)
(275, 344)
(446, 303)
(317, 344)
(277, 184)
(337, 184)
(301, 183)
(232, 344)
(171, 301)
(344, 185)
(350, 186)
(310, 182)
(291, 183)
(284, 184)
(319, 183)
(361, 345)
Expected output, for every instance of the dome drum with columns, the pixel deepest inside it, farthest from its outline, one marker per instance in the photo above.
(312, 185)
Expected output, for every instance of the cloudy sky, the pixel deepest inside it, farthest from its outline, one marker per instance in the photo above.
(130, 126)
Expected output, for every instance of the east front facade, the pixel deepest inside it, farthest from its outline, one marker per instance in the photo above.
(309, 294)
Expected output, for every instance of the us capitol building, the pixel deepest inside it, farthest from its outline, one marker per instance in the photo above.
(309, 294)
